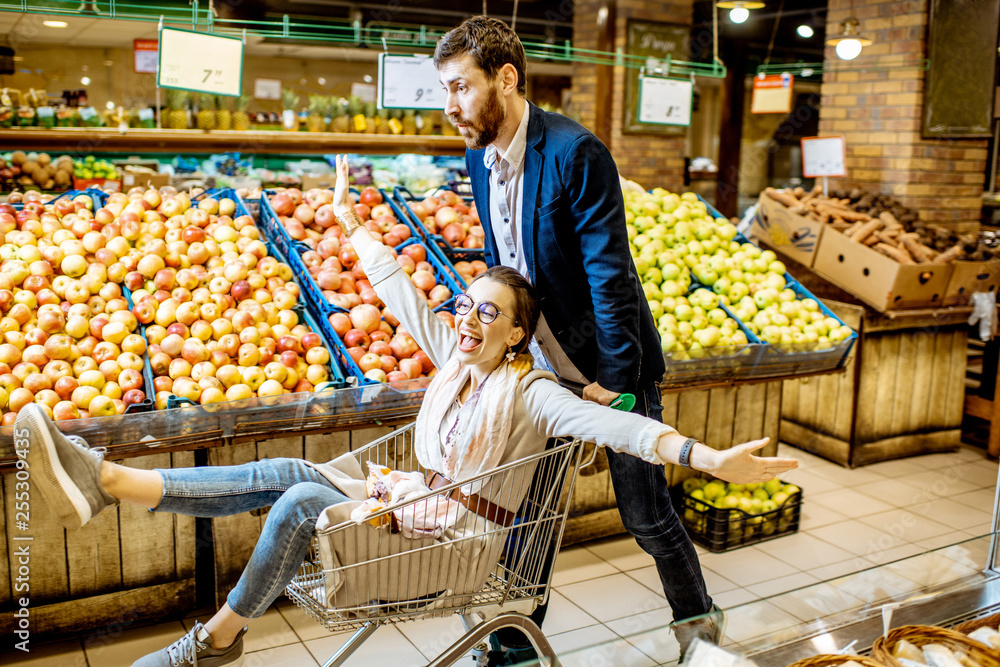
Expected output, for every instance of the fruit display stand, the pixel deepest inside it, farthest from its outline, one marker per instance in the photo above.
(903, 390)
(69, 140)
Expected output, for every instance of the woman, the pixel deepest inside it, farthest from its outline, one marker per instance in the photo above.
(484, 408)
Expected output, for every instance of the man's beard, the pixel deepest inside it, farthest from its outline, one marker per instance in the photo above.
(486, 128)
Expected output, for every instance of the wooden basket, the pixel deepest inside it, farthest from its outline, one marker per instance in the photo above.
(976, 654)
(832, 660)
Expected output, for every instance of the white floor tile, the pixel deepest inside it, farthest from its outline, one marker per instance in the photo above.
(597, 645)
(432, 636)
(811, 483)
(650, 578)
(981, 500)
(292, 655)
(938, 461)
(891, 491)
(875, 587)
(818, 601)
(747, 566)
(564, 616)
(386, 646)
(933, 570)
(578, 564)
(957, 515)
(849, 502)
(802, 549)
(622, 552)
(896, 553)
(133, 644)
(658, 619)
(906, 525)
(659, 644)
(896, 467)
(301, 623)
(734, 598)
(950, 538)
(782, 585)
(747, 623)
(855, 537)
(59, 654)
(846, 477)
(836, 570)
(942, 482)
(983, 475)
(814, 515)
(612, 597)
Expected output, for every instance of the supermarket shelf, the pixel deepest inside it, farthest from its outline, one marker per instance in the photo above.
(91, 140)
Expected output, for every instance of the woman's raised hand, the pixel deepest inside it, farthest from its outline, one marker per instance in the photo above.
(739, 466)
(341, 194)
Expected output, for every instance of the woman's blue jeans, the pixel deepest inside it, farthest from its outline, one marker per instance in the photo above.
(297, 494)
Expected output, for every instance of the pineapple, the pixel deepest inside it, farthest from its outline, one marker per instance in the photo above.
(289, 119)
(394, 123)
(177, 116)
(370, 125)
(355, 109)
(340, 121)
(317, 108)
(223, 117)
(448, 129)
(241, 120)
(206, 112)
(382, 122)
(425, 123)
(409, 122)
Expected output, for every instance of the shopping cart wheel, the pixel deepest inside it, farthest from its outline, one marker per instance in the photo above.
(481, 655)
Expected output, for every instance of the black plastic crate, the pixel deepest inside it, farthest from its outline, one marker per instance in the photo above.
(718, 529)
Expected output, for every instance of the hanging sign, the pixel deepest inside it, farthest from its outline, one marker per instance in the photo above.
(408, 82)
(772, 93)
(267, 89)
(823, 156)
(665, 101)
(146, 53)
(203, 63)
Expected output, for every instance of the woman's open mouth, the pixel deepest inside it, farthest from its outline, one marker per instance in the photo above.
(468, 341)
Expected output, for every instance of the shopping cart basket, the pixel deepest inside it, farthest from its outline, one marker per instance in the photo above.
(492, 573)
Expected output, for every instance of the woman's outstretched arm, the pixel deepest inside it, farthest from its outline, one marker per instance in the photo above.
(392, 285)
(556, 411)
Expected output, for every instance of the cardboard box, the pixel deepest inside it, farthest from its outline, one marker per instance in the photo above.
(100, 183)
(879, 281)
(142, 180)
(793, 235)
(970, 277)
(311, 181)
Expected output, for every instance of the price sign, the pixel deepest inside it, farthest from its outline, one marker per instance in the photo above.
(772, 94)
(665, 101)
(199, 62)
(147, 53)
(408, 82)
(823, 156)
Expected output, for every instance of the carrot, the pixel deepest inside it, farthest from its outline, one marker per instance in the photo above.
(862, 232)
(950, 254)
(895, 253)
(915, 248)
(783, 198)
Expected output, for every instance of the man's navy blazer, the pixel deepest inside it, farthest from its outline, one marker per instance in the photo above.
(574, 239)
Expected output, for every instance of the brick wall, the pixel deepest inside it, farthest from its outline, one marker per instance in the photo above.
(879, 113)
(648, 159)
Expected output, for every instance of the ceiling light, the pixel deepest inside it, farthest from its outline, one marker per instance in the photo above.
(110, 105)
(805, 31)
(55, 24)
(733, 4)
(368, 78)
(85, 80)
(739, 14)
(849, 42)
(321, 81)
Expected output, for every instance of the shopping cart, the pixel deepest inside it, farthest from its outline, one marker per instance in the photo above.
(493, 573)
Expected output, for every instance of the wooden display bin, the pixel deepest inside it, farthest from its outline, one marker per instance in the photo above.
(902, 394)
(126, 566)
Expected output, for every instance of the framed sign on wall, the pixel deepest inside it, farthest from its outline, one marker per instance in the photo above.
(657, 43)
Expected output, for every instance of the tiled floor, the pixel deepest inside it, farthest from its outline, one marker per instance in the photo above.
(607, 606)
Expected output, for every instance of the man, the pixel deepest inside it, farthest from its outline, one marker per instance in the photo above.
(549, 199)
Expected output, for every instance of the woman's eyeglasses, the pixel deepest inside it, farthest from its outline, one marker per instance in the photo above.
(487, 312)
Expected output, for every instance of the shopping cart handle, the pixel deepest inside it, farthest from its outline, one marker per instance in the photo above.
(624, 402)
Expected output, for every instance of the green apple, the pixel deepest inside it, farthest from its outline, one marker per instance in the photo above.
(722, 286)
(640, 240)
(810, 305)
(670, 288)
(652, 291)
(779, 320)
(762, 319)
(668, 269)
(668, 342)
(765, 297)
(774, 281)
(789, 309)
(717, 316)
(683, 313)
(699, 321)
(771, 334)
(738, 291)
(739, 338)
(777, 267)
(652, 275)
(726, 231)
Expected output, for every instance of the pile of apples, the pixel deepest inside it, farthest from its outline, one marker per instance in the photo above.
(70, 342)
(758, 500)
(219, 311)
(668, 228)
(447, 214)
(309, 217)
(468, 271)
(694, 327)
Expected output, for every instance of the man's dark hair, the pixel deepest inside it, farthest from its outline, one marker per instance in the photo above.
(490, 42)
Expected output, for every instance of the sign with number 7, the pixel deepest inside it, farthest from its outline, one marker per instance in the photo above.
(184, 54)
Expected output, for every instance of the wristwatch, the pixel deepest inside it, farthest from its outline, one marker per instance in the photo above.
(685, 457)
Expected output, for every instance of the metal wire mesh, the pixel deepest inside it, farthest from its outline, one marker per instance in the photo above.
(355, 575)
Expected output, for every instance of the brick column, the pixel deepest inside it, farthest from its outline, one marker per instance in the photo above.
(879, 113)
(651, 160)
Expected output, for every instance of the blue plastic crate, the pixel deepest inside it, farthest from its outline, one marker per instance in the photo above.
(453, 254)
(147, 371)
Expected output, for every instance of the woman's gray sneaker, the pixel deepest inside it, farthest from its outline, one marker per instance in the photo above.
(195, 650)
(64, 469)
